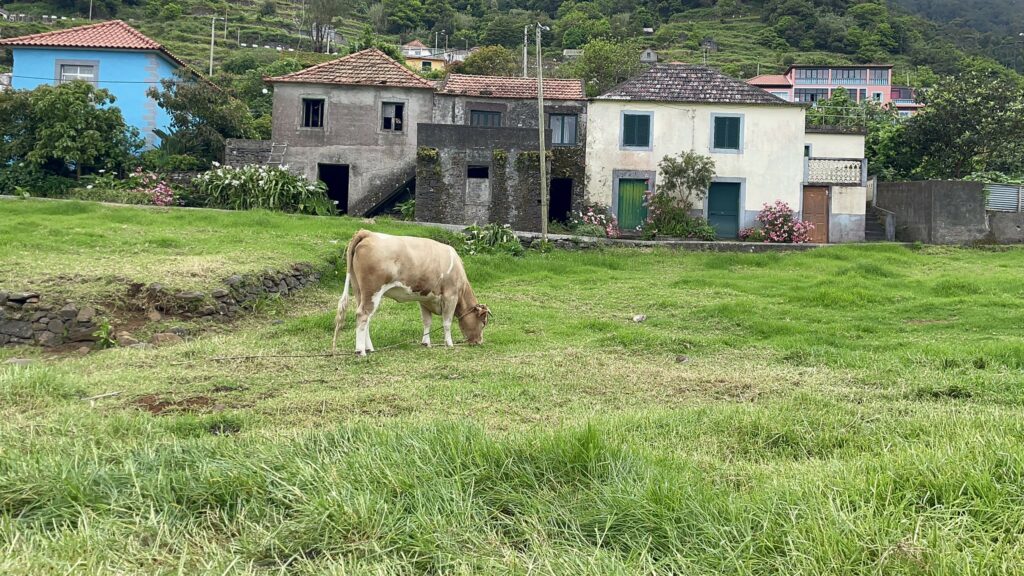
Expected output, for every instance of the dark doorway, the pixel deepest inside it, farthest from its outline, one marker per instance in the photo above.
(561, 200)
(335, 176)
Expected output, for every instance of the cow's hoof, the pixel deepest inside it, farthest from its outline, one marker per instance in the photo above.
(425, 344)
(360, 354)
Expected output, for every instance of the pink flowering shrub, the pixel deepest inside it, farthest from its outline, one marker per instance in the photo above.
(752, 234)
(160, 193)
(594, 221)
(779, 224)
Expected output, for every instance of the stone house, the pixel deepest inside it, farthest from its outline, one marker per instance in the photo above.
(478, 158)
(352, 123)
(758, 141)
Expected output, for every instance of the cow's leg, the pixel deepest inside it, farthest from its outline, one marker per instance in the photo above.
(363, 314)
(428, 319)
(447, 313)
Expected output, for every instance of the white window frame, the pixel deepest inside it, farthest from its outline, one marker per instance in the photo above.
(59, 71)
(743, 125)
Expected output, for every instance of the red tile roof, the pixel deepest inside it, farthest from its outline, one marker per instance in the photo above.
(505, 87)
(111, 35)
(770, 80)
(689, 83)
(414, 44)
(369, 67)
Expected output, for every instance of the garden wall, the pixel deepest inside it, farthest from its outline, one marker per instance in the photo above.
(936, 212)
(239, 152)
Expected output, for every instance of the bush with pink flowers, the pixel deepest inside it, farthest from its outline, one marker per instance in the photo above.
(780, 225)
(594, 221)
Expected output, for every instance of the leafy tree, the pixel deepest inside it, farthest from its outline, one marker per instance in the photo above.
(72, 126)
(578, 27)
(492, 61)
(403, 15)
(685, 177)
(320, 16)
(972, 123)
(370, 40)
(604, 64)
(202, 116)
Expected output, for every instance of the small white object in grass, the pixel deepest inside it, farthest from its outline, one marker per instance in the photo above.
(639, 318)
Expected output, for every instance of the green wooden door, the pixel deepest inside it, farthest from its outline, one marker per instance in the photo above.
(724, 208)
(632, 211)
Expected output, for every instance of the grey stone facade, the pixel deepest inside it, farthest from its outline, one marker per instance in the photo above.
(936, 212)
(510, 194)
(378, 161)
(238, 152)
(448, 190)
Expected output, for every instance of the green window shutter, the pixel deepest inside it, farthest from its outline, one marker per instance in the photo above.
(628, 130)
(643, 133)
(636, 130)
(727, 133)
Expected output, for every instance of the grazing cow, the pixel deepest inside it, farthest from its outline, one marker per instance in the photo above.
(408, 269)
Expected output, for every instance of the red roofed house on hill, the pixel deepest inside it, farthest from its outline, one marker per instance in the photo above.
(111, 55)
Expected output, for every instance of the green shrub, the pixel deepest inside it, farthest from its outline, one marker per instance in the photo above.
(262, 187)
(407, 209)
(115, 195)
(34, 181)
(492, 239)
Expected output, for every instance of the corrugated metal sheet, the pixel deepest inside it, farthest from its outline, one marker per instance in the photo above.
(1002, 198)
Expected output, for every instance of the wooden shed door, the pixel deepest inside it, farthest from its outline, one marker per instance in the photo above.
(816, 212)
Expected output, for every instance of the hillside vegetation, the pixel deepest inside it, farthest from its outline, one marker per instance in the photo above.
(744, 37)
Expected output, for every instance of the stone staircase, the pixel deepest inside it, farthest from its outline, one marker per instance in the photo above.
(874, 226)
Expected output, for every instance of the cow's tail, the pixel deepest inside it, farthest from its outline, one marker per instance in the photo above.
(350, 284)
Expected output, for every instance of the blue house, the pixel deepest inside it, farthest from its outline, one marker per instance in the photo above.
(111, 55)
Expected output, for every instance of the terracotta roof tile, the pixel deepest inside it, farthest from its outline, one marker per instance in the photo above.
(414, 44)
(111, 35)
(505, 87)
(369, 67)
(770, 80)
(689, 83)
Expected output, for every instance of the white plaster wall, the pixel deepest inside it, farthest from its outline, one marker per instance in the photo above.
(849, 199)
(836, 145)
(771, 161)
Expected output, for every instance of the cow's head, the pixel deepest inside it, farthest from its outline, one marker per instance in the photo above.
(472, 323)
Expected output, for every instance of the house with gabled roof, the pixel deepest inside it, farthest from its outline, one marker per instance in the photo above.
(111, 55)
(756, 139)
(352, 123)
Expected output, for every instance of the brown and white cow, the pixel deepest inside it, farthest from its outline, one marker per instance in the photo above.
(408, 269)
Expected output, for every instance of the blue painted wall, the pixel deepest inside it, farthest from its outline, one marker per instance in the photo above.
(126, 74)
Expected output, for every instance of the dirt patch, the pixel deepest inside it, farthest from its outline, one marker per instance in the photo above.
(156, 405)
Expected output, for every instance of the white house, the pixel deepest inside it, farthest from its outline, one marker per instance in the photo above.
(756, 140)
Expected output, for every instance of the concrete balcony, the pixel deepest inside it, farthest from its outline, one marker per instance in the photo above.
(836, 171)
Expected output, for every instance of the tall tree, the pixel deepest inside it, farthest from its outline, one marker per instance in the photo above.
(320, 16)
(492, 61)
(604, 64)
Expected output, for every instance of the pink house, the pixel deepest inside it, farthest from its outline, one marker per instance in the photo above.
(810, 84)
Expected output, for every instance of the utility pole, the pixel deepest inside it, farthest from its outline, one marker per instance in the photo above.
(90, 10)
(213, 30)
(542, 157)
(526, 42)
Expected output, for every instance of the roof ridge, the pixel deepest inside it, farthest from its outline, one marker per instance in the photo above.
(373, 52)
(76, 29)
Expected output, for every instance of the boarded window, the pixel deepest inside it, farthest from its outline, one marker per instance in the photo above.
(563, 129)
(312, 112)
(485, 118)
(728, 130)
(392, 116)
(636, 130)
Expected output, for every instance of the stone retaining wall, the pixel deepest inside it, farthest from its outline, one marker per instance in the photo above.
(24, 319)
(238, 292)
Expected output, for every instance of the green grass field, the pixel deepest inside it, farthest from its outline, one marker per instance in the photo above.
(850, 410)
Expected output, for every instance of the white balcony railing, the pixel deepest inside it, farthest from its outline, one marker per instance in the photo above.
(836, 171)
